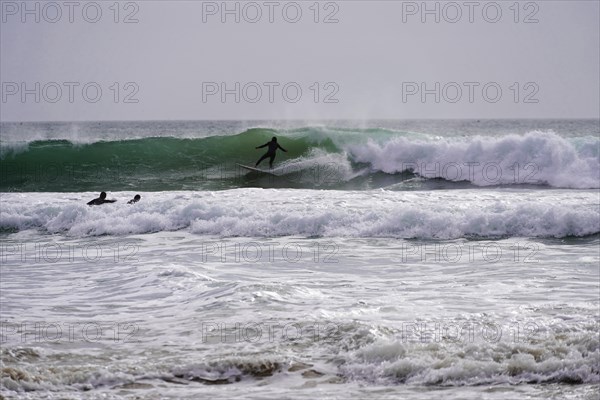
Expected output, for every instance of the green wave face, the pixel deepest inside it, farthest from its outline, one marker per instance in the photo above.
(152, 164)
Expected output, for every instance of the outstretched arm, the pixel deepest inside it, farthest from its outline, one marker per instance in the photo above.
(281, 148)
(264, 145)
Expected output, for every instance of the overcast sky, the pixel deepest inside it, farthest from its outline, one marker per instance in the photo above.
(298, 60)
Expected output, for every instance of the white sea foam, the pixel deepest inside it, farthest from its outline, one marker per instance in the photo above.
(534, 158)
(476, 363)
(247, 212)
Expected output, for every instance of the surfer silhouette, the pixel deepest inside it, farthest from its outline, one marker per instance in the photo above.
(273, 146)
(135, 199)
(100, 200)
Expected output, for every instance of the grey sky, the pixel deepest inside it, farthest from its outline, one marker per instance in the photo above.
(373, 61)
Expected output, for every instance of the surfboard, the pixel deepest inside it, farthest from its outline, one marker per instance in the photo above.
(256, 169)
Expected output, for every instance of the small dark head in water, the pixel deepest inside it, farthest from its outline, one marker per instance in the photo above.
(135, 199)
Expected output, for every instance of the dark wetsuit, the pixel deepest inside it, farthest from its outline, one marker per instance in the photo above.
(273, 146)
(98, 201)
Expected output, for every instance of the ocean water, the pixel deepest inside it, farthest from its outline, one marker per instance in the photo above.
(383, 259)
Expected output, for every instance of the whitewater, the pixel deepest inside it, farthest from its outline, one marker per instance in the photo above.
(286, 212)
(382, 259)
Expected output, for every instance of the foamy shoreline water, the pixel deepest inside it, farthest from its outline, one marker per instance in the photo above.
(176, 312)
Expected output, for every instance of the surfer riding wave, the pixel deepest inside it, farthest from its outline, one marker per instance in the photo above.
(271, 152)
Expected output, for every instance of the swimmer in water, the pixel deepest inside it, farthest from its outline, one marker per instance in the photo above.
(100, 200)
(135, 199)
